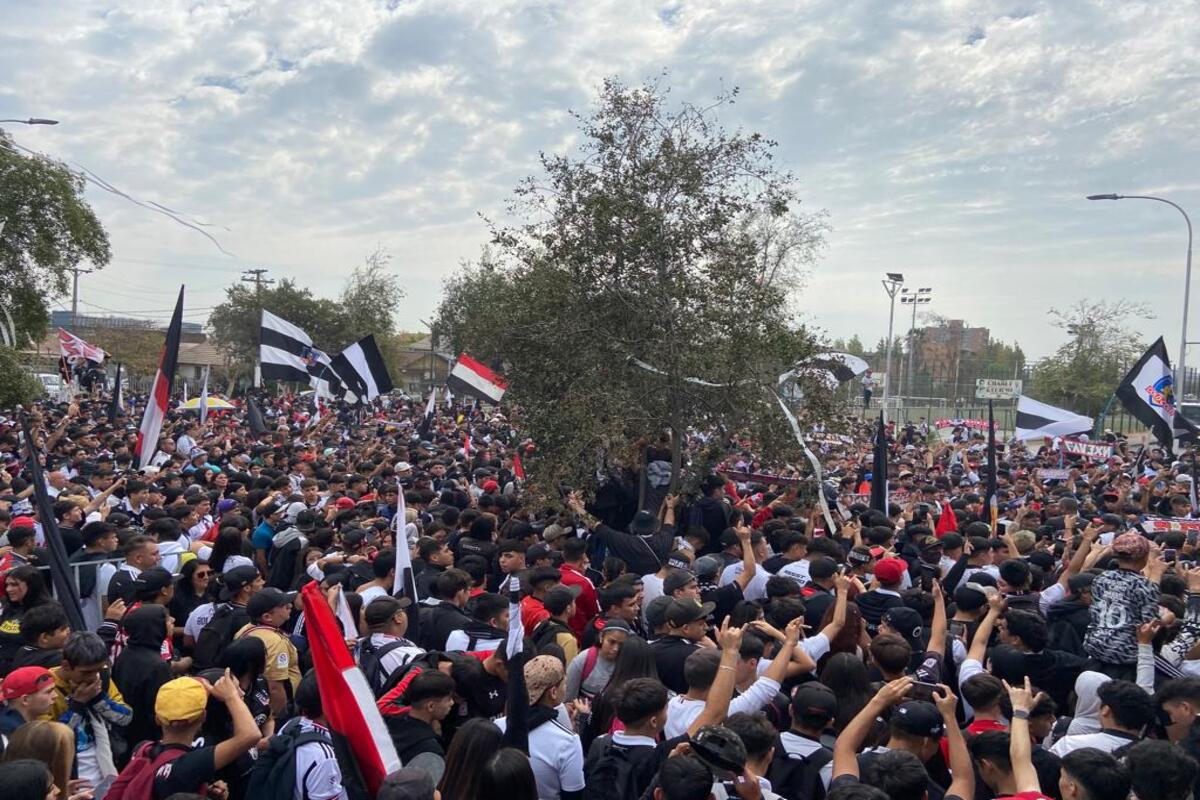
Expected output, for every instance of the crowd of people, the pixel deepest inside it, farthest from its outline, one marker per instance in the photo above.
(736, 640)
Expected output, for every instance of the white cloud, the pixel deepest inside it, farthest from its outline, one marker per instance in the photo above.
(950, 140)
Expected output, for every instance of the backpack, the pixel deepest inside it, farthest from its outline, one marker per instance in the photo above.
(273, 776)
(217, 635)
(370, 661)
(546, 633)
(799, 777)
(589, 664)
(136, 781)
(612, 775)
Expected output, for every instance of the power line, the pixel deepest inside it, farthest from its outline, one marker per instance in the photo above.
(255, 276)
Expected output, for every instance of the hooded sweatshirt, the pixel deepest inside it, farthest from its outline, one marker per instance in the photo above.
(284, 546)
(140, 670)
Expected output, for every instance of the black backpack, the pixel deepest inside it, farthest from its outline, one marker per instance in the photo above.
(613, 774)
(370, 661)
(217, 634)
(797, 777)
(274, 774)
(546, 633)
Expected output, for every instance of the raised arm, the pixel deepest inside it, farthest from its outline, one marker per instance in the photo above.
(961, 767)
(777, 671)
(937, 630)
(841, 600)
(984, 633)
(716, 706)
(845, 749)
(1025, 777)
(749, 565)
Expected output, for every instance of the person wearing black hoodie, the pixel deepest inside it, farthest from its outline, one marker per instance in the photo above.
(452, 589)
(140, 669)
(1069, 618)
(430, 697)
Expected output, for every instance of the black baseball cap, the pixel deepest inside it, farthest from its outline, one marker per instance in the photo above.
(677, 579)
(919, 718)
(681, 612)
(235, 580)
(265, 600)
(907, 622)
(560, 597)
(814, 700)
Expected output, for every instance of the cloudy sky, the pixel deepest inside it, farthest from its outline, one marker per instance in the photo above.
(952, 141)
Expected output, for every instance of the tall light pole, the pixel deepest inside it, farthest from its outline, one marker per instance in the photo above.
(1180, 371)
(891, 285)
(915, 298)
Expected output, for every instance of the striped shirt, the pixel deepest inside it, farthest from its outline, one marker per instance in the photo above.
(318, 776)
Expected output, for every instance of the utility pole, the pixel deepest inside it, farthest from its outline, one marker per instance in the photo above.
(891, 285)
(255, 276)
(915, 298)
(75, 294)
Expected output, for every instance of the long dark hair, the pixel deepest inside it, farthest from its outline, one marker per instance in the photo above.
(36, 594)
(229, 543)
(507, 775)
(471, 746)
(846, 674)
(27, 779)
(634, 660)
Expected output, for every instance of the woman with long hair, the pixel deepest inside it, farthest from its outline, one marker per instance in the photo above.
(635, 660)
(28, 779)
(846, 674)
(507, 775)
(52, 743)
(195, 576)
(850, 638)
(471, 746)
(227, 552)
(24, 588)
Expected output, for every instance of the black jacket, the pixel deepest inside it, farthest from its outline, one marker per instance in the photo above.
(140, 670)
(641, 554)
(437, 622)
(412, 737)
(670, 652)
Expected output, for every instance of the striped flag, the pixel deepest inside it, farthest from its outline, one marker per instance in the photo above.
(430, 409)
(286, 353)
(346, 697)
(1035, 419)
(160, 394)
(473, 378)
(204, 398)
(361, 370)
(1148, 393)
(404, 580)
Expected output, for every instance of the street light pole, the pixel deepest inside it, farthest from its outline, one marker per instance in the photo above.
(1180, 366)
(921, 296)
(891, 285)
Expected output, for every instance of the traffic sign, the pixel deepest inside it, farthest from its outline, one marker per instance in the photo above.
(993, 389)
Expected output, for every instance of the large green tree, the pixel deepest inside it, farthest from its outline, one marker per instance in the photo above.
(46, 229)
(1100, 348)
(645, 286)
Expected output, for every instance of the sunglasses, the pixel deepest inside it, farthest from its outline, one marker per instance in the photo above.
(207, 574)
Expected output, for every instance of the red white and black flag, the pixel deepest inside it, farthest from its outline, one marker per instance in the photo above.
(160, 395)
(346, 697)
(473, 378)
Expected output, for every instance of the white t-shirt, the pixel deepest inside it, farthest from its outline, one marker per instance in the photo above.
(373, 593)
(201, 615)
(682, 711)
(652, 587)
(1104, 742)
(756, 589)
(797, 571)
(318, 776)
(556, 757)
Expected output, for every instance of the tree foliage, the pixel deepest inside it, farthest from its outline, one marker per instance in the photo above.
(46, 228)
(364, 307)
(1100, 348)
(138, 349)
(17, 385)
(665, 240)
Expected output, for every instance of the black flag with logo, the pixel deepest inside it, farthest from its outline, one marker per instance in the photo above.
(879, 469)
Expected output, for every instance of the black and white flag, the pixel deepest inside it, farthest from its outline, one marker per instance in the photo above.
(287, 353)
(1148, 393)
(361, 371)
(430, 411)
(1035, 419)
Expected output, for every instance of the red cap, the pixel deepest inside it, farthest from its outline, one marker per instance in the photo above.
(343, 503)
(491, 486)
(890, 570)
(25, 681)
(23, 522)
